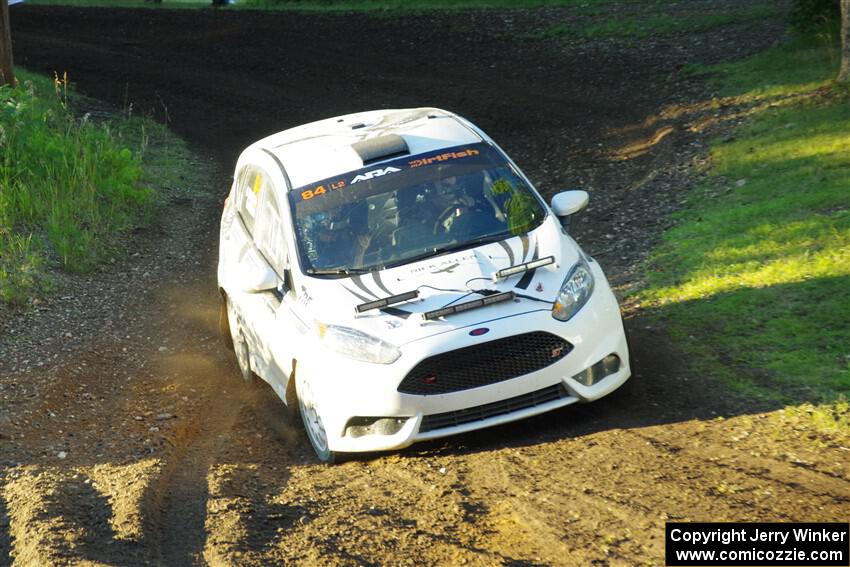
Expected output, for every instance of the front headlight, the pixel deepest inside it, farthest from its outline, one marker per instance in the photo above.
(356, 344)
(575, 291)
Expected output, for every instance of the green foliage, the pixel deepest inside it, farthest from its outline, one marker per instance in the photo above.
(143, 4)
(812, 15)
(753, 277)
(68, 185)
(348, 5)
(332, 5)
(794, 69)
(521, 209)
(406, 5)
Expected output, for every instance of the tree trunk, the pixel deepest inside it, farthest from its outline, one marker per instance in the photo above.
(844, 72)
(7, 71)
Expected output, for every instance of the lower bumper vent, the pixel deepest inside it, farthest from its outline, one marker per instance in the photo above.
(502, 407)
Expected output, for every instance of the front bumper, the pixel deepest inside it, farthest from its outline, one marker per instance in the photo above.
(348, 392)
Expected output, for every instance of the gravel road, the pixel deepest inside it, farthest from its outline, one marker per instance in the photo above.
(127, 438)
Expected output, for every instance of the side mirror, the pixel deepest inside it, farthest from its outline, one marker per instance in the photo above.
(569, 202)
(258, 277)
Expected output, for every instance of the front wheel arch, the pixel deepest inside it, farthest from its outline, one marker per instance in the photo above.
(224, 321)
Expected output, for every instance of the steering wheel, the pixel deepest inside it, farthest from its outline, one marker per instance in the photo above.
(377, 240)
(444, 216)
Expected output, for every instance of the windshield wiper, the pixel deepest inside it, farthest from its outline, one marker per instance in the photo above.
(446, 249)
(431, 252)
(483, 240)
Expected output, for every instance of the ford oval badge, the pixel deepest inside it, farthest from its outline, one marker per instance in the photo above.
(479, 331)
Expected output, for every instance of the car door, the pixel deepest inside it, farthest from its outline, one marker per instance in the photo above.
(275, 323)
(254, 309)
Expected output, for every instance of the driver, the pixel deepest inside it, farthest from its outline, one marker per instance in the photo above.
(342, 237)
(463, 207)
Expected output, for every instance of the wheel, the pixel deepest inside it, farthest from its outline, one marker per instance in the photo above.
(240, 347)
(224, 325)
(630, 344)
(313, 424)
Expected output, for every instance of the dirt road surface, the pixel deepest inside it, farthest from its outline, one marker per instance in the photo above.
(126, 437)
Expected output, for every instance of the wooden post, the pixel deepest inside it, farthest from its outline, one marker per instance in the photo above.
(7, 70)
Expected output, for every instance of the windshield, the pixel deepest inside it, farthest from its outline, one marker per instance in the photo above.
(411, 208)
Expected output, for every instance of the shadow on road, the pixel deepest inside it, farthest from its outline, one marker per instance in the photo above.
(5, 527)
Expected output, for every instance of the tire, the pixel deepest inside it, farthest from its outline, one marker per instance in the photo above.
(224, 324)
(630, 342)
(240, 347)
(313, 426)
(292, 410)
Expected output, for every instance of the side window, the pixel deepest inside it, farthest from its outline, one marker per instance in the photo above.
(269, 235)
(248, 194)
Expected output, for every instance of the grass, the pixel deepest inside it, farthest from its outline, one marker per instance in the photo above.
(169, 4)
(344, 5)
(798, 67)
(660, 24)
(69, 186)
(753, 279)
(403, 5)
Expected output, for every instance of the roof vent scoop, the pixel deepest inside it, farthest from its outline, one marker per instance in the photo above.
(380, 148)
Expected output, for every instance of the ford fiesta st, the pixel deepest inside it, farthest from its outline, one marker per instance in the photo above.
(395, 276)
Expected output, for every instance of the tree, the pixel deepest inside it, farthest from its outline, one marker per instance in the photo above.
(844, 72)
(7, 71)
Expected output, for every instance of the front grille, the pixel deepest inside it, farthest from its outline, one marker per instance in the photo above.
(478, 413)
(484, 363)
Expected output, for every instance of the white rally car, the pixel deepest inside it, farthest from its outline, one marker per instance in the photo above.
(395, 276)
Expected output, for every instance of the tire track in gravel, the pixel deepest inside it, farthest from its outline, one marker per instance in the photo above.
(177, 501)
(160, 386)
(788, 477)
(553, 521)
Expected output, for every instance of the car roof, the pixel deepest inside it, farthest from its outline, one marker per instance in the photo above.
(334, 146)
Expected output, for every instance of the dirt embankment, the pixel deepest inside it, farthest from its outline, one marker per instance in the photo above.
(127, 439)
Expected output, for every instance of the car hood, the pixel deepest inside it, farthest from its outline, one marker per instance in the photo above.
(449, 279)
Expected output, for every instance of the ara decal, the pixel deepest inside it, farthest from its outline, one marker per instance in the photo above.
(374, 173)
